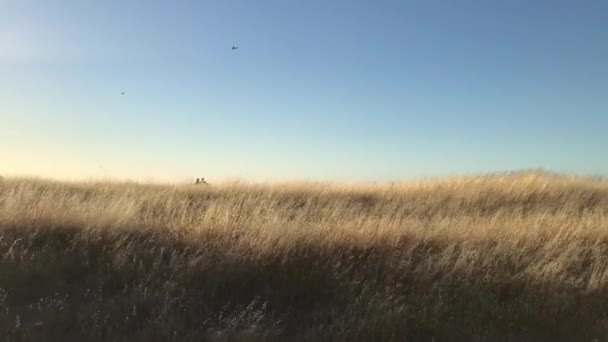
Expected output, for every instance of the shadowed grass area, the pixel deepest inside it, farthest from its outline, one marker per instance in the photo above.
(514, 258)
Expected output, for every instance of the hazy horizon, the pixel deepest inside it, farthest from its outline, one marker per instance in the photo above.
(347, 91)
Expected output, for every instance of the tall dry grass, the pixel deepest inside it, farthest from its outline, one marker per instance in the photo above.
(520, 257)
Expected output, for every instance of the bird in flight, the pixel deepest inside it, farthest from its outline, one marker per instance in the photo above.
(122, 93)
(235, 47)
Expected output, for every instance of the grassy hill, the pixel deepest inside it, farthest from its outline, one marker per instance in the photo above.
(520, 257)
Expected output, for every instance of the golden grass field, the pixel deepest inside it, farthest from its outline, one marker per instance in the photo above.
(514, 257)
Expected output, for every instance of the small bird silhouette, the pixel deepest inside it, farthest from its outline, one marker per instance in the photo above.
(122, 93)
(235, 48)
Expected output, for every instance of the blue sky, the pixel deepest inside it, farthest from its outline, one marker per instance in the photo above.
(318, 90)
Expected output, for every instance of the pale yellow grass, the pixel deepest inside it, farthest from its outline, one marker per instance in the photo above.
(524, 248)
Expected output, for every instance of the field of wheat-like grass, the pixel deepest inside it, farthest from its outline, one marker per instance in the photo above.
(520, 257)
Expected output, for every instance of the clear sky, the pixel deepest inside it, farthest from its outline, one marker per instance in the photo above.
(318, 90)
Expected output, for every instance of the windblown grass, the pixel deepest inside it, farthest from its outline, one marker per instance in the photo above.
(519, 257)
